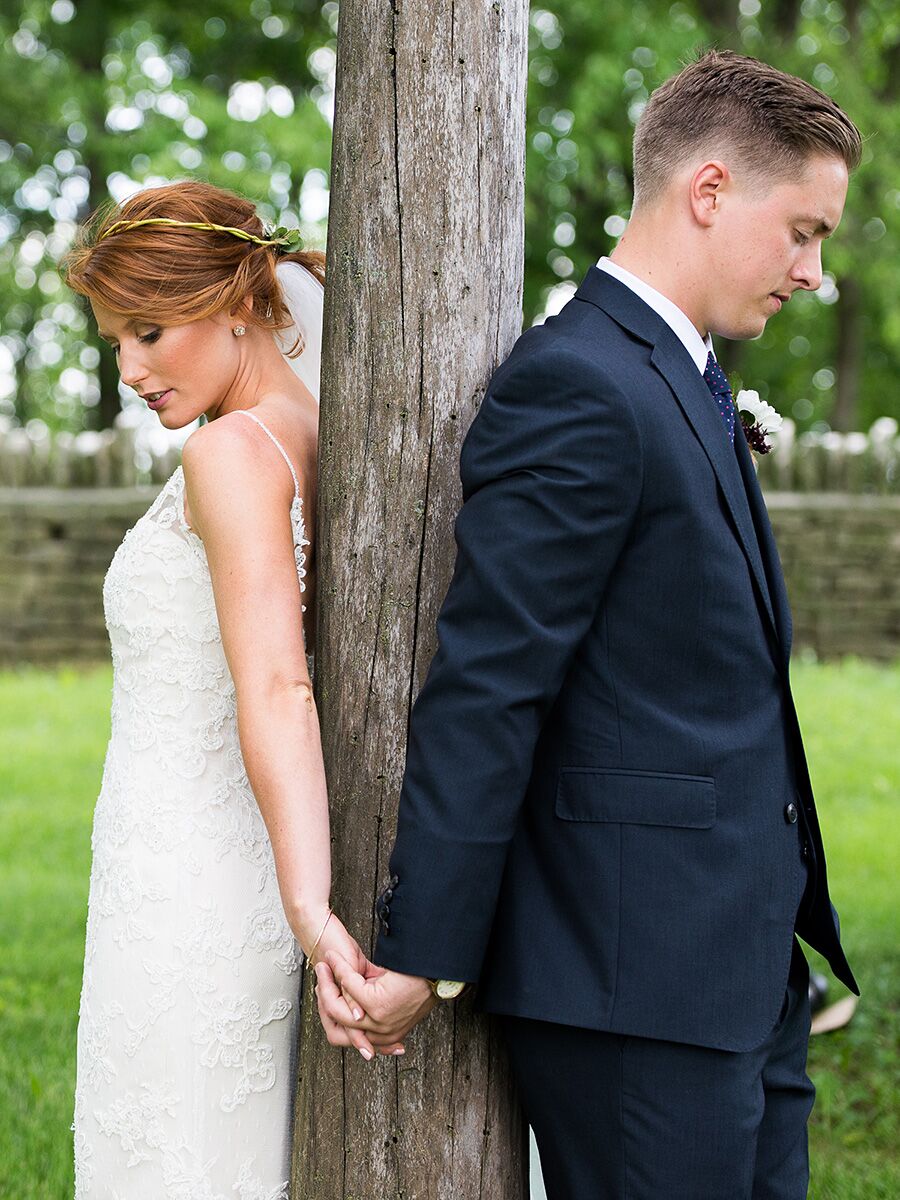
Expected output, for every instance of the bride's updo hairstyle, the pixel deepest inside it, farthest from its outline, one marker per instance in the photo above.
(174, 274)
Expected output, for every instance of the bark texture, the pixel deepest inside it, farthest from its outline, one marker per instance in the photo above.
(425, 261)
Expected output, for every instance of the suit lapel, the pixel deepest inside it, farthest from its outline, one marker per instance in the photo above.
(696, 403)
(673, 362)
(767, 545)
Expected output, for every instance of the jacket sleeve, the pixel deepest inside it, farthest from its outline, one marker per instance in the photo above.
(551, 473)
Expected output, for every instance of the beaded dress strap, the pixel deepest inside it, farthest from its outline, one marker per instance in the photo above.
(278, 446)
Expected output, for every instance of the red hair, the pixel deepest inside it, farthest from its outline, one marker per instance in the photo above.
(172, 274)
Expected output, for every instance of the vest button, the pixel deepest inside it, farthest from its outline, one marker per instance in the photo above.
(790, 814)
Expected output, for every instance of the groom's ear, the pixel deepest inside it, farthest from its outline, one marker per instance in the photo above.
(708, 184)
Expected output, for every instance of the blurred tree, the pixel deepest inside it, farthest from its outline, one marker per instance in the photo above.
(97, 98)
(833, 356)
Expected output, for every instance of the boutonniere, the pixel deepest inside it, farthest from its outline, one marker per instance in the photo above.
(758, 420)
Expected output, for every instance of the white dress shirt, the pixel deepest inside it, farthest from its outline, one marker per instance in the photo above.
(684, 329)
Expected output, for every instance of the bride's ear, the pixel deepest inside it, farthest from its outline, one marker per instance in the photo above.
(240, 313)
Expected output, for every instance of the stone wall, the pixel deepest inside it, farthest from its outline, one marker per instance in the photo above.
(55, 546)
(841, 556)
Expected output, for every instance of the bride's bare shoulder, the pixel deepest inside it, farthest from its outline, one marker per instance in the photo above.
(228, 467)
(229, 441)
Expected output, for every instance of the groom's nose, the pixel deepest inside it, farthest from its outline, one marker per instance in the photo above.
(807, 270)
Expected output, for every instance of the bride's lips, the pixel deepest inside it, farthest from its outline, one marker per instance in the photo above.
(156, 400)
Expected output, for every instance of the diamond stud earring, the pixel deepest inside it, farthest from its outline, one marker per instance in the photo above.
(239, 330)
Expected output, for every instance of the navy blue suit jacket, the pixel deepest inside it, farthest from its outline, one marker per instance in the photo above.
(595, 820)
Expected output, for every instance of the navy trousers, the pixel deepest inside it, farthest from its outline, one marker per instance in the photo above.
(624, 1118)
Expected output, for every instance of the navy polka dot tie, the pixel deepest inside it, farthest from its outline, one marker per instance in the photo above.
(718, 385)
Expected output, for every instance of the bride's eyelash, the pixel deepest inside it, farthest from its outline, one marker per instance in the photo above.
(146, 338)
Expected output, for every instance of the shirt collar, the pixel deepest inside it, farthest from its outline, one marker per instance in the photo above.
(684, 329)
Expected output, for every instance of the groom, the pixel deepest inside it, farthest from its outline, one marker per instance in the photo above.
(606, 819)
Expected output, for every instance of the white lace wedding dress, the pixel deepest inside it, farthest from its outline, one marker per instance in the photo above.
(191, 982)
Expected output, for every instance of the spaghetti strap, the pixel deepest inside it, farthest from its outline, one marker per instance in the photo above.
(301, 541)
(278, 446)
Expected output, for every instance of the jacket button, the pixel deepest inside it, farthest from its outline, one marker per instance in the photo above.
(395, 879)
(790, 814)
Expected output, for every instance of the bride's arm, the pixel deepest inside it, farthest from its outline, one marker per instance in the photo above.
(239, 493)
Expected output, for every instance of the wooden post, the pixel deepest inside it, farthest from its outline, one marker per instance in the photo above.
(425, 260)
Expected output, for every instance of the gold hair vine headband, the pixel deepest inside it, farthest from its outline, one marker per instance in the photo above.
(284, 240)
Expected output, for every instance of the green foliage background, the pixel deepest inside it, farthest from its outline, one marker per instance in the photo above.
(99, 96)
(833, 356)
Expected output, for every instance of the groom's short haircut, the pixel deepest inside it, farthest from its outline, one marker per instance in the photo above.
(772, 123)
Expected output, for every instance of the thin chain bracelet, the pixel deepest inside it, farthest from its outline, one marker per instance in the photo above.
(315, 945)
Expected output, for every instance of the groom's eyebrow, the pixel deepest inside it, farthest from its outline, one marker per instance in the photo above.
(819, 224)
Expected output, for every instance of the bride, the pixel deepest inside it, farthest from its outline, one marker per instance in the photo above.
(211, 866)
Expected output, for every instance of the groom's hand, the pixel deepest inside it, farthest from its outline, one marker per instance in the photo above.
(391, 1003)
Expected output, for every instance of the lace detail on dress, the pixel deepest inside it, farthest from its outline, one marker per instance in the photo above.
(191, 983)
(138, 1122)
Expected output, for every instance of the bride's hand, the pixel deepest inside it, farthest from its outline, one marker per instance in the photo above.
(335, 938)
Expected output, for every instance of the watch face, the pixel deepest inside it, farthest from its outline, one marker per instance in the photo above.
(448, 989)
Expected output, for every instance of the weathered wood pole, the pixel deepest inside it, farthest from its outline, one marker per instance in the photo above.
(425, 260)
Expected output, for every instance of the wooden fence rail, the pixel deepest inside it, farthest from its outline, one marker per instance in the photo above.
(32, 456)
(851, 463)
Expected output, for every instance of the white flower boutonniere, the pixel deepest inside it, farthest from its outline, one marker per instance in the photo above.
(758, 420)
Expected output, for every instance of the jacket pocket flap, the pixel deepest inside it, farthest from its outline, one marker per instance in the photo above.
(636, 797)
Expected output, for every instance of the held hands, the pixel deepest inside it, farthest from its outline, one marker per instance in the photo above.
(320, 931)
(360, 1004)
(365, 1006)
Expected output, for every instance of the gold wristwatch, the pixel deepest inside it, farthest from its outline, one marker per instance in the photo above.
(446, 989)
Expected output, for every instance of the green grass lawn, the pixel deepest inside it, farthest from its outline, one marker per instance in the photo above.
(53, 729)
